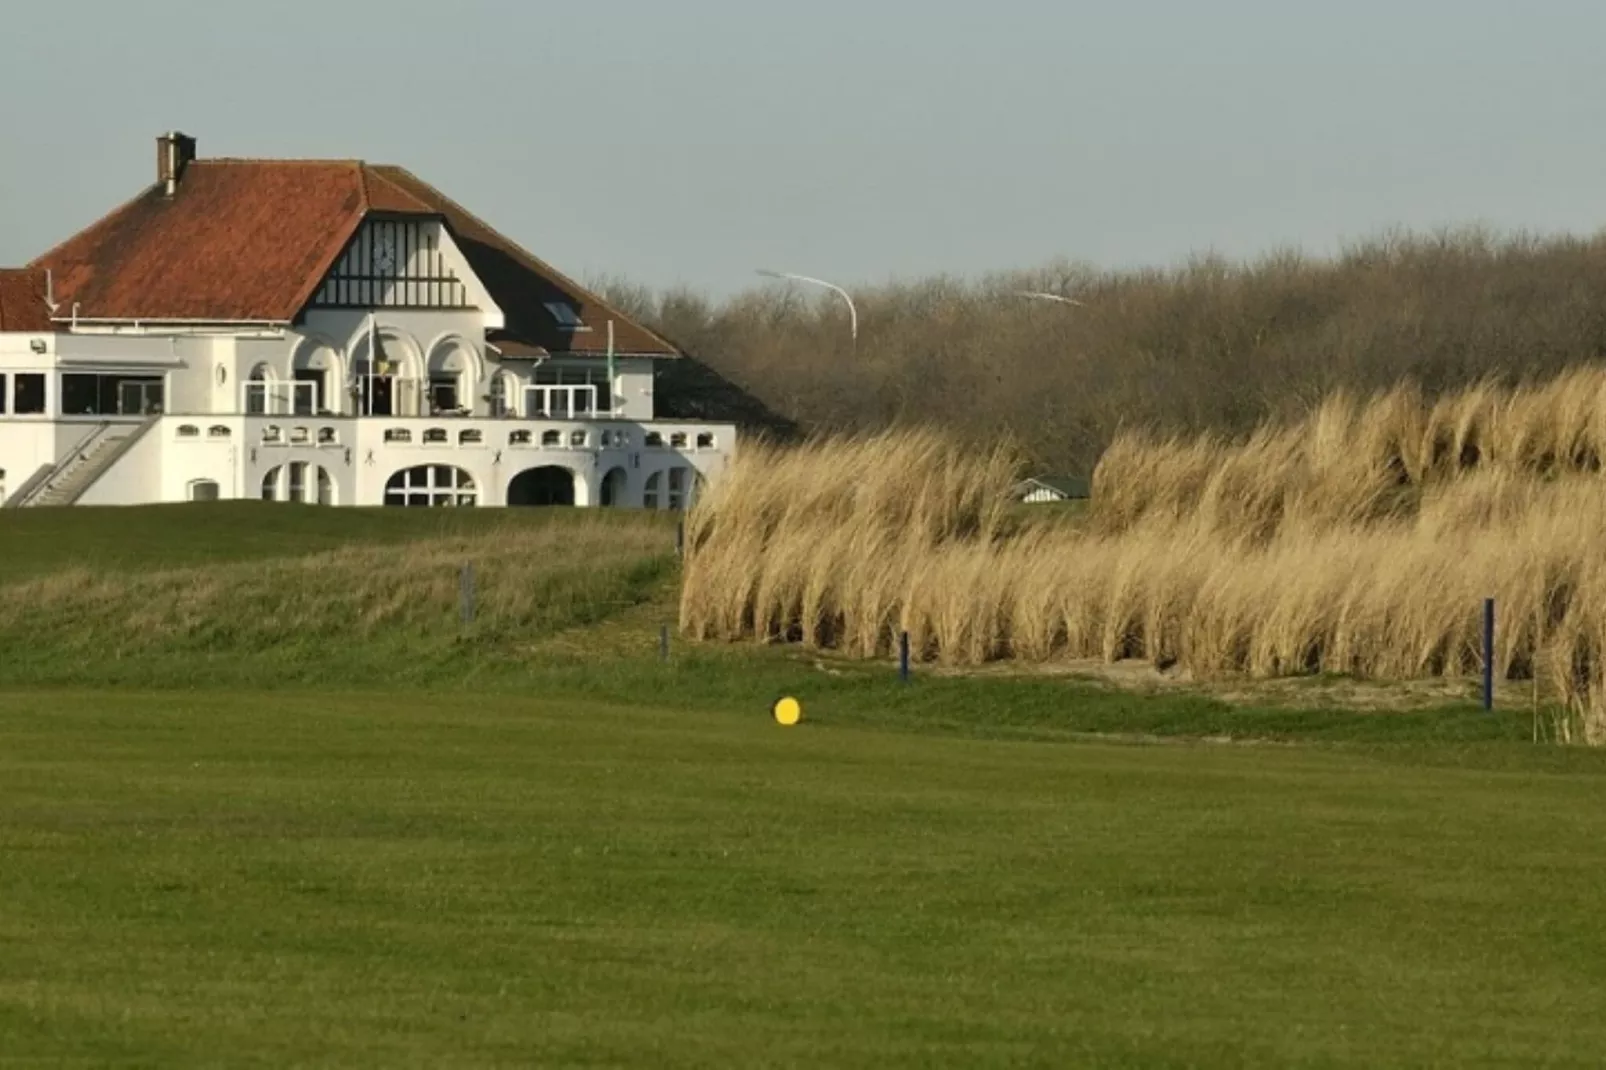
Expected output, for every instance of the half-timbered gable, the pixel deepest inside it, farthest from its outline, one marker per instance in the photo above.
(403, 262)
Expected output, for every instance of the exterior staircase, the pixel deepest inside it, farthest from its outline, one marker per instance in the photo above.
(88, 461)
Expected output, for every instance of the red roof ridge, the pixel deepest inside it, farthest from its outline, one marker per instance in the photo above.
(261, 161)
(531, 261)
(403, 200)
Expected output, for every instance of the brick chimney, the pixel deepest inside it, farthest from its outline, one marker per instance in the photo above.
(174, 153)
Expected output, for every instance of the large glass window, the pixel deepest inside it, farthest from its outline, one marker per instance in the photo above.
(87, 394)
(431, 485)
(29, 398)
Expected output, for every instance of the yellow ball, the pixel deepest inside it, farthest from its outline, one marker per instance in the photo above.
(788, 711)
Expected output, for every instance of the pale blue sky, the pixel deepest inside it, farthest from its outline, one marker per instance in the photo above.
(692, 142)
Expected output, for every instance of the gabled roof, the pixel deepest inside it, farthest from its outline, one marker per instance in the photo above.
(22, 301)
(251, 240)
(240, 240)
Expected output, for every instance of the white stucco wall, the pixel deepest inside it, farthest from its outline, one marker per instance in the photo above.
(134, 479)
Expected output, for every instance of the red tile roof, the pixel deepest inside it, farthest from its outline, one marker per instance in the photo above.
(22, 301)
(239, 241)
(251, 240)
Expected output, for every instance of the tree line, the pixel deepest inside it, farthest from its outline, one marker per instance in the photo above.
(1208, 345)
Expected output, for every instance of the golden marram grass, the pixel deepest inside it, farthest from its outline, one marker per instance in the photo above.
(1361, 539)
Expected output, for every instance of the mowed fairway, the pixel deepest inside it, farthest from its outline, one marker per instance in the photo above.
(457, 880)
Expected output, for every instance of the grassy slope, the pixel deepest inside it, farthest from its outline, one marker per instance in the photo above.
(439, 880)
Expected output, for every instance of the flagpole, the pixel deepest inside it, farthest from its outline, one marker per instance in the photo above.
(610, 368)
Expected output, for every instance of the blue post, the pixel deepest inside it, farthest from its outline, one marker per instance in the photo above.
(903, 656)
(1488, 654)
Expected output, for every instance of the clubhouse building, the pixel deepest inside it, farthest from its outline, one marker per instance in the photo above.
(328, 332)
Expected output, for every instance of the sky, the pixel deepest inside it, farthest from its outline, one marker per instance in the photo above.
(692, 143)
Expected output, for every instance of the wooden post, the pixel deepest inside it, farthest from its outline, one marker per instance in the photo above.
(663, 642)
(903, 656)
(1488, 654)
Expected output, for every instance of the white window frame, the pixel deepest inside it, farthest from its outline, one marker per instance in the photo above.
(438, 484)
(541, 402)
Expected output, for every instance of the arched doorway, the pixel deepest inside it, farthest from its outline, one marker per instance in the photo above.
(316, 380)
(258, 391)
(613, 487)
(547, 485)
(452, 375)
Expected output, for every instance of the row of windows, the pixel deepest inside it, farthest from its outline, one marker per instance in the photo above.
(215, 431)
(300, 436)
(435, 436)
(327, 436)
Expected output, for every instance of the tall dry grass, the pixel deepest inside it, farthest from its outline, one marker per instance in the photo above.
(1361, 539)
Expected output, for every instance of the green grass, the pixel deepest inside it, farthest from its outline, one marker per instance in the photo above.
(427, 880)
(264, 800)
(41, 541)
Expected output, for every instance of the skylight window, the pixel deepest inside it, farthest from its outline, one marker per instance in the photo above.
(566, 315)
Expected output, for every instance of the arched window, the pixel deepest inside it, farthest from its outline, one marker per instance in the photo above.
(551, 438)
(654, 439)
(270, 485)
(504, 387)
(217, 431)
(272, 433)
(398, 434)
(314, 382)
(327, 436)
(469, 438)
(577, 439)
(518, 438)
(326, 487)
(203, 490)
(431, 485)
(189, 431)
(677, 441)
(258, 389)
(435, 434)
(451, 376)
(650, 494)
(300, 435)
(705, 440)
